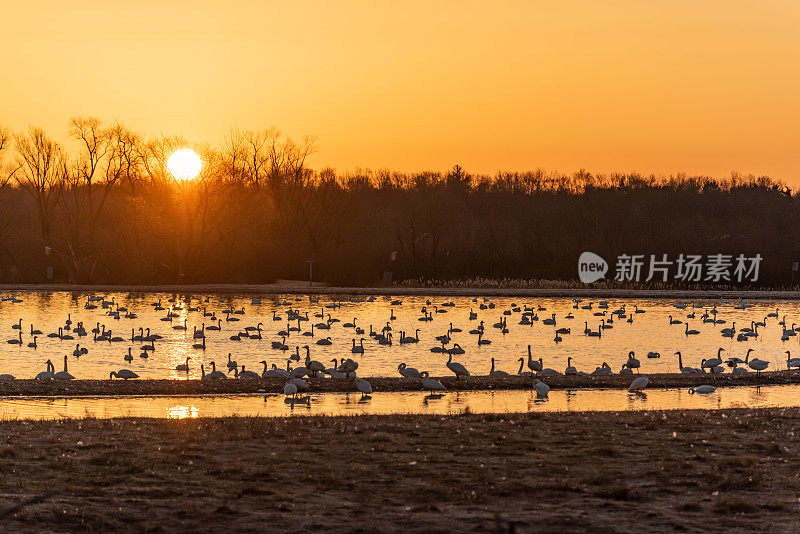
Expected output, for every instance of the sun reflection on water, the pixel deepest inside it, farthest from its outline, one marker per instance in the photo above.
(180, 411)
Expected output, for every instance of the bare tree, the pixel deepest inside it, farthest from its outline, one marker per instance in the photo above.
(235, 156)
(257, 156)
(7, 170)
(125, 156)
(89, 182)
(42, 173)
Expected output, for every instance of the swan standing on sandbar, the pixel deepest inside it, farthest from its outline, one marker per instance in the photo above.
(497, 373)
(534, 365)
(431, 384)
(632, 362)
(64, 375)
(407, 372)
(457, 368)
(213, 375)
(364, 387)
(249, 375)
(755, 364)
(639, 384)
(685, 370)
(46, 375)
(604, 369)
(520, 372)
(274, 372)
(124, 374)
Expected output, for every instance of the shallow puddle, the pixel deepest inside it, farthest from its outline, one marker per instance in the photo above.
(394, 403)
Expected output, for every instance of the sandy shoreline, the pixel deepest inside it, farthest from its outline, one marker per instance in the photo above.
(303, 288)
(63, 388)
(696, 471)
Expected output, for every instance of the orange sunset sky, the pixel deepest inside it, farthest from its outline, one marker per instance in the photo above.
(703, 87)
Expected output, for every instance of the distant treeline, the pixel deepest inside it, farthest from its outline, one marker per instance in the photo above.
(110, 212)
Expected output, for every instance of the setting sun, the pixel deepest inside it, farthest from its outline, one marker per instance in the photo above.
(184, 164)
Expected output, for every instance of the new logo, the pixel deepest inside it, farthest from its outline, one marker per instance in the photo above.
(591, 267)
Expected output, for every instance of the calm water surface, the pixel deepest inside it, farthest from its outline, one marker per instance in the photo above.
(649, 331)
(395, 403)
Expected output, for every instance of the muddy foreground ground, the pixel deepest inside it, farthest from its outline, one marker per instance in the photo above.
(718, 471)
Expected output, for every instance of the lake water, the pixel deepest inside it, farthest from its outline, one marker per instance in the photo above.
(395, 403)
(649, 331)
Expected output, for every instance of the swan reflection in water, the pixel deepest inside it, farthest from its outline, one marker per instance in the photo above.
(364, 399)
(431, 397)
(292, 401)
(637, 395)
(457, 399)
(539, 400)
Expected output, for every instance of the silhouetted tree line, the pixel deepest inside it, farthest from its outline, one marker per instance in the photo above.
(110, 212)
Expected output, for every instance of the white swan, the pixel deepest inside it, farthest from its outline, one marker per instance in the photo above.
(792, 362)
(431, 384)
(213, 375)
(542, 389)
(364, 387)
(604, 369)
(274, 372)
(520, 372)
(497, 373)
(684, 370)
(64, 375)
(407, 372)
(729, 332)
(639, 384)
(290, 389)
(46, 375)
(280, 345)
(703, 389)
(348, 366)
(183, 366)
(15, 341)
(756, 365)
(457, 368)
(124, 374)
(247, 375)
(313, 365)
(713, 362)
(633, 362)
(534, 365)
